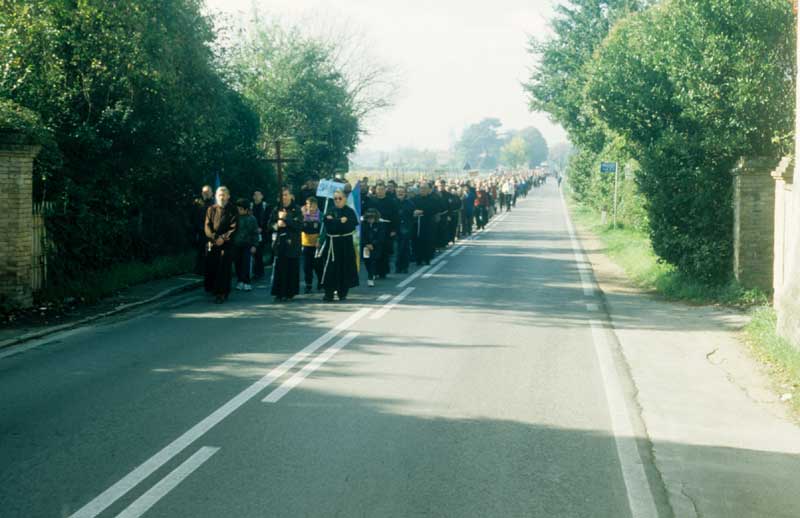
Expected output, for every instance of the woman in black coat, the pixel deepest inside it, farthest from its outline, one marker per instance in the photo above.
(338, 253)
(286, 222)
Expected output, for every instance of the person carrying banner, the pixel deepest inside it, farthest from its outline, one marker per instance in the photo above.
(339, 271)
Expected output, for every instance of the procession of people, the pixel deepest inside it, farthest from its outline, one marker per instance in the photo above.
(324, 241)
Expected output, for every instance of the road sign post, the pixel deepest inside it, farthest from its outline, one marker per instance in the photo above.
(609, 168)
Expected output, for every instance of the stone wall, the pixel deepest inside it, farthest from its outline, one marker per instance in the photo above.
(754, 221)
(16, 223)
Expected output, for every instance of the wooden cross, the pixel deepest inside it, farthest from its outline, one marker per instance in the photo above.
(279, 161)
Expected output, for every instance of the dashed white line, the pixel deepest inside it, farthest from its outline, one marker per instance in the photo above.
(391, 304)
(384, 297)
(413, 277)
(434, 270)
(148, 467)
(168, 483)
(310, 367)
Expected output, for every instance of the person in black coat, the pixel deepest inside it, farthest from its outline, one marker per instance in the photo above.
(372, 239)
(339, 271)
(387, 207)
(425, 213)
(201, 206)
(405, 229)
(220, 224)
(286, 223)
(261, 211)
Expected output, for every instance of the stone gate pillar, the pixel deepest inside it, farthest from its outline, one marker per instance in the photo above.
(754, 222)
(16, 222)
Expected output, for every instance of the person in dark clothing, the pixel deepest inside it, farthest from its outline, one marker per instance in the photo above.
(312, 224)
(425, 212)
(287, 223)
(220, 224)
(405, 230)
(442, 196)
(468, 212)
(245, 241)
(453, 214)
(481, 207)
(308, 190)
(387, 208)
(372, 240)
(201, 206)
(261, 211)
(339, 271)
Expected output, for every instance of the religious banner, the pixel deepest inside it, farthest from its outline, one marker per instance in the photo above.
(326, 188)
(354, 202)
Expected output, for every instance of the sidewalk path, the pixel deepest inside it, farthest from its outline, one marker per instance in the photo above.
(723, 442)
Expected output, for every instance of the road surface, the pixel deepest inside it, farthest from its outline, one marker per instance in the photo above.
(485, 385)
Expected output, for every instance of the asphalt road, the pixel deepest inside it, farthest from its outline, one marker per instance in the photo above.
(485, 386)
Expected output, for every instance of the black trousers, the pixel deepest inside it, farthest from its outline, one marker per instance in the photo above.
(311, 265)
(382, 263)
(218, 270)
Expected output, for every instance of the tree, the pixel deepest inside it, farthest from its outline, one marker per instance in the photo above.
(140, 115)
(515, 153)
(480, 144)
(536, 150)
(705, 82)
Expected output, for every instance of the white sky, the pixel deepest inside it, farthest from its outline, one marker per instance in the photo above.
(460, 61)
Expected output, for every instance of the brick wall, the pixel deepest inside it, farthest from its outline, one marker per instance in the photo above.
(16, 223)
(754, 222)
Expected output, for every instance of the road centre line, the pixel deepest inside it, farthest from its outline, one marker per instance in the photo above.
(168, 483)
(391, 304)
(310, 367)
(148, 467)
(640, 498)
(434, 270)
(413, 277)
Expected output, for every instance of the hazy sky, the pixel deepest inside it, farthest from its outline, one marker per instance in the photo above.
(460, 61)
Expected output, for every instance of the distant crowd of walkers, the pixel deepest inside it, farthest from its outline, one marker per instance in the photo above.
(402, 222)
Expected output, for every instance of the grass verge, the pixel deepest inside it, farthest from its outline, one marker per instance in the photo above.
(631, 249)
(102, 284)
(780, 356)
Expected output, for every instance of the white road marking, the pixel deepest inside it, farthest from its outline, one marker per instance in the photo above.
(640, 498)
(580, 258)
(148, 467)
(310, 367)
(413, 277)
(458, 252)
(441, 256)
(384, 297)
(167, 484)
(436, 269)
(391, 304)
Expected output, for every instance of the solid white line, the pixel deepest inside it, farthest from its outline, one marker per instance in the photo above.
(413, 277)
(640, 498)
(310, 367)
(580, 258)
(391, 304)
(384, 297)
(436, 269)
(458, 252)
(167, 484)
(144, 470)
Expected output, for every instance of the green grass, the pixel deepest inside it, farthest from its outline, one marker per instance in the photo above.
(631, 249)
(99, 285)
(782, 358)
